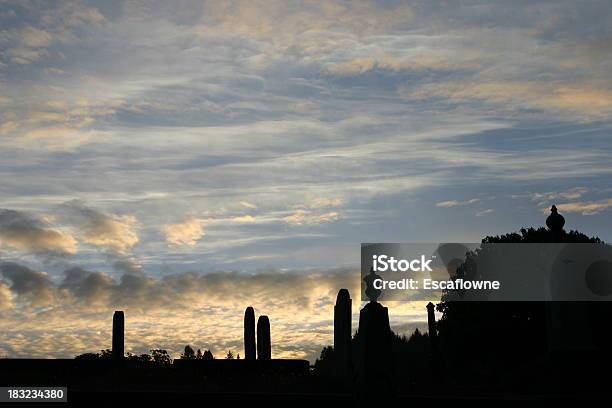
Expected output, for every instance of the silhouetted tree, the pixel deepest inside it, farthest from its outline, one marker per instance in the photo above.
(142, 358)
(229, 355)
(208, 355)
(497, 342)
(102, 355)
(188, 354)
(412, 358)
(161, 357)
(199, 355)
(88, 356)
(324, 365)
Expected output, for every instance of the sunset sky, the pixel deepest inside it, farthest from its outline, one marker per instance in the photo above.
(181, 160)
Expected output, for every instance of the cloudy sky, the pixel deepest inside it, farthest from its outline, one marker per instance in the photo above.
(183, 160)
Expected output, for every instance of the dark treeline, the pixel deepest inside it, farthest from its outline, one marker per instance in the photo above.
(157, 356)
(523, 345)
(411, 356)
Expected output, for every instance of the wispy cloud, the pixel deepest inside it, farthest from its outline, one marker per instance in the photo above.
(302, 217)
(186, 233)
(115, 232)
(244, 219)
(485, 212)
(455, 203)
(584, 207)
(550, 196)
(581, 100)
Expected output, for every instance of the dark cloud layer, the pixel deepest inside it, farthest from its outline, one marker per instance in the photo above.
(114, 232)
(28, 285)
(168, 311)
(45, 318)
(89, 289)
(27, 232)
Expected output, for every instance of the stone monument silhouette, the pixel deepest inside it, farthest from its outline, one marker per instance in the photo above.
(249, 334)
(375, 357)
(118, 335)
(264, 347)
(555, 223)
(342, 334)
(431, 325)
(567, 322)
(371, 292)
(436, 354)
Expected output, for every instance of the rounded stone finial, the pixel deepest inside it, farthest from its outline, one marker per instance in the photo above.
(555, 221)
(343, 295)
(371, 292)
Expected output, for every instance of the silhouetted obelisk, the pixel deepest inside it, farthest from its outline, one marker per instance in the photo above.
(118, 336)
(342, 333)
(264, 347)
(431, 324)
(249, 334)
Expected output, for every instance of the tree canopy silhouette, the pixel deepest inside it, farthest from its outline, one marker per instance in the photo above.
(493, 341)
(188, 354)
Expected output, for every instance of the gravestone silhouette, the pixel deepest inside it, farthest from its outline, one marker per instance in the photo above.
(249, 334)
(431, 324)
(118, 335)
(342, 334)
(375, 355)
(375, 365)
(264, 347)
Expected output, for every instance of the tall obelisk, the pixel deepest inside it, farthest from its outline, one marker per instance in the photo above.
(118, 335)
(342, 333)
(249, 334)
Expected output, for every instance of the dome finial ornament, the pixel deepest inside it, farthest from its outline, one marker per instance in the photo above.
(555, 221)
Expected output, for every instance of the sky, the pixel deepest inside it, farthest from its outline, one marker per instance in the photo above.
(184, 160)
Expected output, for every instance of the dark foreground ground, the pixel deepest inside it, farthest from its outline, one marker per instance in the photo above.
(316, 400)
(255, 383)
